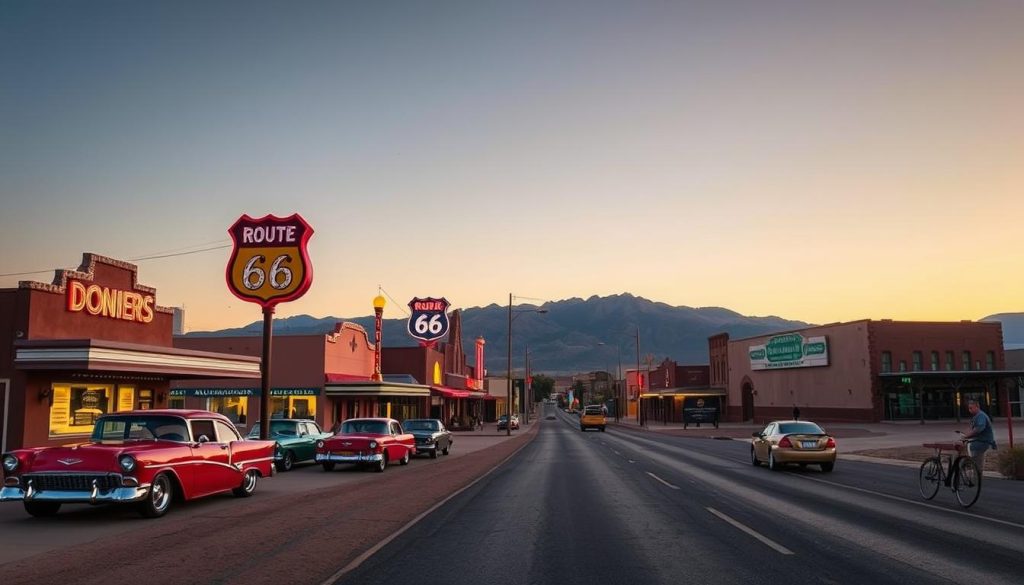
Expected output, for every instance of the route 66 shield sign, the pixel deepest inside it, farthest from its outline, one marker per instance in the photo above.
(429, 319)
(269, 262)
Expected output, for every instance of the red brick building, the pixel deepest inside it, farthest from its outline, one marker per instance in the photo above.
(92, 341)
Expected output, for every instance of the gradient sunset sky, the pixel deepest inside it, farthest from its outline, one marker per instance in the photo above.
(821, 161)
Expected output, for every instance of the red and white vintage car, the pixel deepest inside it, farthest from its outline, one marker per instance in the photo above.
(144, 457)
(367, 441)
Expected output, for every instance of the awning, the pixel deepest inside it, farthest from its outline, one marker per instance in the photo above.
(449, 392)
(682, 392)
(371, 388)
(97, 355)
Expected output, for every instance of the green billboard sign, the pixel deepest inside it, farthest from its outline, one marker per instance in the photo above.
(790, 350)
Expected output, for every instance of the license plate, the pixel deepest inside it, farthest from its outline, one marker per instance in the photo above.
(810, 444)
(346, 453)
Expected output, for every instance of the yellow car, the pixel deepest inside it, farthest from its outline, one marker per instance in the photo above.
(593, 417)
(793, 441)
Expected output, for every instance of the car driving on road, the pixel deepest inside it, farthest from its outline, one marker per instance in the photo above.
(791, 441)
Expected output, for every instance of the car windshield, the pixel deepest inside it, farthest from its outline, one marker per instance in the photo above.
(802, 428)
(277, 429)
(355, 427)
(140, 428)
(421, 425)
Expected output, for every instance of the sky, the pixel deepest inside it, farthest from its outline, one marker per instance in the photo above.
(821, 161)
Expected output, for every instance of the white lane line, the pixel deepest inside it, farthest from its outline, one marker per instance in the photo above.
(675, 487)
(631, 461)
(909, 501)
(616, 452)
(771, 543)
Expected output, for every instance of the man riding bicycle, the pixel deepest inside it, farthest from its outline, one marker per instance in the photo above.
(980, 437)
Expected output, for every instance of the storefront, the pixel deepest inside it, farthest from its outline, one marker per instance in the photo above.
(683, 405)
(234, 403)
(353, 399)
(92, 342)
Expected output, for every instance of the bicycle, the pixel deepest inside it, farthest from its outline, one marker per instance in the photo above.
(959, 474)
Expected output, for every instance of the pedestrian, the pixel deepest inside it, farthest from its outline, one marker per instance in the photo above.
(796, 412)
(980, 436)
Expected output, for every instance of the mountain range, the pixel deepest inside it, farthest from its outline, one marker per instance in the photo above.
(573, 335)
(577, 335)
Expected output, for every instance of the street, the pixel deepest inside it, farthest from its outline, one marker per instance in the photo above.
(633, 507)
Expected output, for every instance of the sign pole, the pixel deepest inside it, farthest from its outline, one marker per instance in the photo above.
(268, 332)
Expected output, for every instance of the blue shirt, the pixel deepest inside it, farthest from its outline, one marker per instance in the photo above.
(981, 427)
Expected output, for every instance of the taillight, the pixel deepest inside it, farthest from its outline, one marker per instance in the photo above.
(830, 444)
(785, 442)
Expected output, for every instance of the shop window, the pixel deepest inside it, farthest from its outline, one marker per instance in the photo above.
(77, 406)
(966, 359)
(916, 364)
(293, 407)
(935, 361)
(176, 402)
(990, 360)
(234, 407)
(145, 399)
(949, 361)
(125, 398)
(886, 362)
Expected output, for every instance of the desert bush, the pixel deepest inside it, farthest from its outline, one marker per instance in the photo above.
(1011, 462)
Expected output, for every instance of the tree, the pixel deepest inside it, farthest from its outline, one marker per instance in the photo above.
(542, 386)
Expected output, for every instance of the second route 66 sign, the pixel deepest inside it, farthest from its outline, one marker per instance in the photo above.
(429, 319)
(269, 263)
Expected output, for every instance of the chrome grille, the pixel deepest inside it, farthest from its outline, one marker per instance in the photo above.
(71, 481)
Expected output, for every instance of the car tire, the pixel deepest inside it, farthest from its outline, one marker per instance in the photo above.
(42, 509)
(382, 464)
(287, 463)
(447, 448)
(158, 500)
(404, 460)
(328, 465)
(249, 481)
(602, 429)
(753, 457)
(828, 467)
(772, 463)
(433, 452)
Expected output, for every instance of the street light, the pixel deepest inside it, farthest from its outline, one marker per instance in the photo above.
(508, 408)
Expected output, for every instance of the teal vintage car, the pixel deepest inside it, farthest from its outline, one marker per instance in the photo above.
(296, 440)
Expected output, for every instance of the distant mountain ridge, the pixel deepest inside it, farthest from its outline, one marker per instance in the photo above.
(574, 335)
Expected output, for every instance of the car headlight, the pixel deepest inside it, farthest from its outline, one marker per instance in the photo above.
(430, 440)
(320, 444)
(373, 444)
(127, 463)
(10, 463)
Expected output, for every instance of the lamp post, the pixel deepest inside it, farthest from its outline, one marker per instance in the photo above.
(378, 311)
(508, 410)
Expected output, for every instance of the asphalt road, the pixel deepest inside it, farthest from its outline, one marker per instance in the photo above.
(633, 507)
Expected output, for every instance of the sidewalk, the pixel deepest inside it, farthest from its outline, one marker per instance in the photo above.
(897, 443)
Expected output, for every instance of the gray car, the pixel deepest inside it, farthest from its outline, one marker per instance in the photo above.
(431, 436)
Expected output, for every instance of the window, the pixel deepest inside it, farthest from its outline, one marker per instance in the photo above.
(226, 433)
(125, 398)
(293, 406)
(201, 428)
(966, 359)
(176, 402)
(990, 360)
(903, 365)
(75, 407)
(916, 364)
(935, 361)
(886, 362)
(233, 407)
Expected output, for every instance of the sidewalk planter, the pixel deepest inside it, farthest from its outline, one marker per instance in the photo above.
(1011, 462)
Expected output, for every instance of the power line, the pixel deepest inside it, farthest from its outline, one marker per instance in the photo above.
(400, 305)
(138, 259)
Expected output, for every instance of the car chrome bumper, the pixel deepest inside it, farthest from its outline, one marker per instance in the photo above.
(94, 496)
(802, 456)
(334, 458)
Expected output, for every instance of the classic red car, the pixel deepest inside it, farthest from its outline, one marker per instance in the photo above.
(145, 457)
(367, 441)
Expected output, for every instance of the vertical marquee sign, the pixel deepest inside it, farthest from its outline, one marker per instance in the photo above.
(429, 319)
(269, 264)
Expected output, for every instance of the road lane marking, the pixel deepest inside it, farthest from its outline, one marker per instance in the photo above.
(675, 487)
(909, 501)
(616, 452)
(764, 539)
(631, 461)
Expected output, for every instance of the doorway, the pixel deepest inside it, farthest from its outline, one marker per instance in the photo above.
(748, 402)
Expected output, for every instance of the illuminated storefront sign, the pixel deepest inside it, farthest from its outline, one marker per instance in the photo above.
(789, 351)
(212, 392)
(109, 302)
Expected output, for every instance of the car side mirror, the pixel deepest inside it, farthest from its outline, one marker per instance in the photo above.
(757, 435)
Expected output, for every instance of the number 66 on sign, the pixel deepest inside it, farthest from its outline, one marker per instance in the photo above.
(429, 319)
(270, 263)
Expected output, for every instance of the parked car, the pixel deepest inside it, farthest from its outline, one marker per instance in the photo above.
(431, 436)
(503, 422)
(147, 458)
(592, 418)
(373, 442)
(792, 441)
(296, 440)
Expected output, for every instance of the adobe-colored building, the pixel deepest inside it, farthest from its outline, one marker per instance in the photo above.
(866, 370)
(670, 388)
(91, 342)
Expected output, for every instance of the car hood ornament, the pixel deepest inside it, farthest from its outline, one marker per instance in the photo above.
(69, 461)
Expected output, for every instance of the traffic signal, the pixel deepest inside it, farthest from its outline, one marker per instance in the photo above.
(640, 377)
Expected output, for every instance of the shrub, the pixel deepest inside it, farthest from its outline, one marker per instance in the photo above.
(1011, 462)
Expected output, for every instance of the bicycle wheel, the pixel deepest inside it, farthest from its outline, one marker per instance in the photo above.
(966, 481)
(930, 477)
